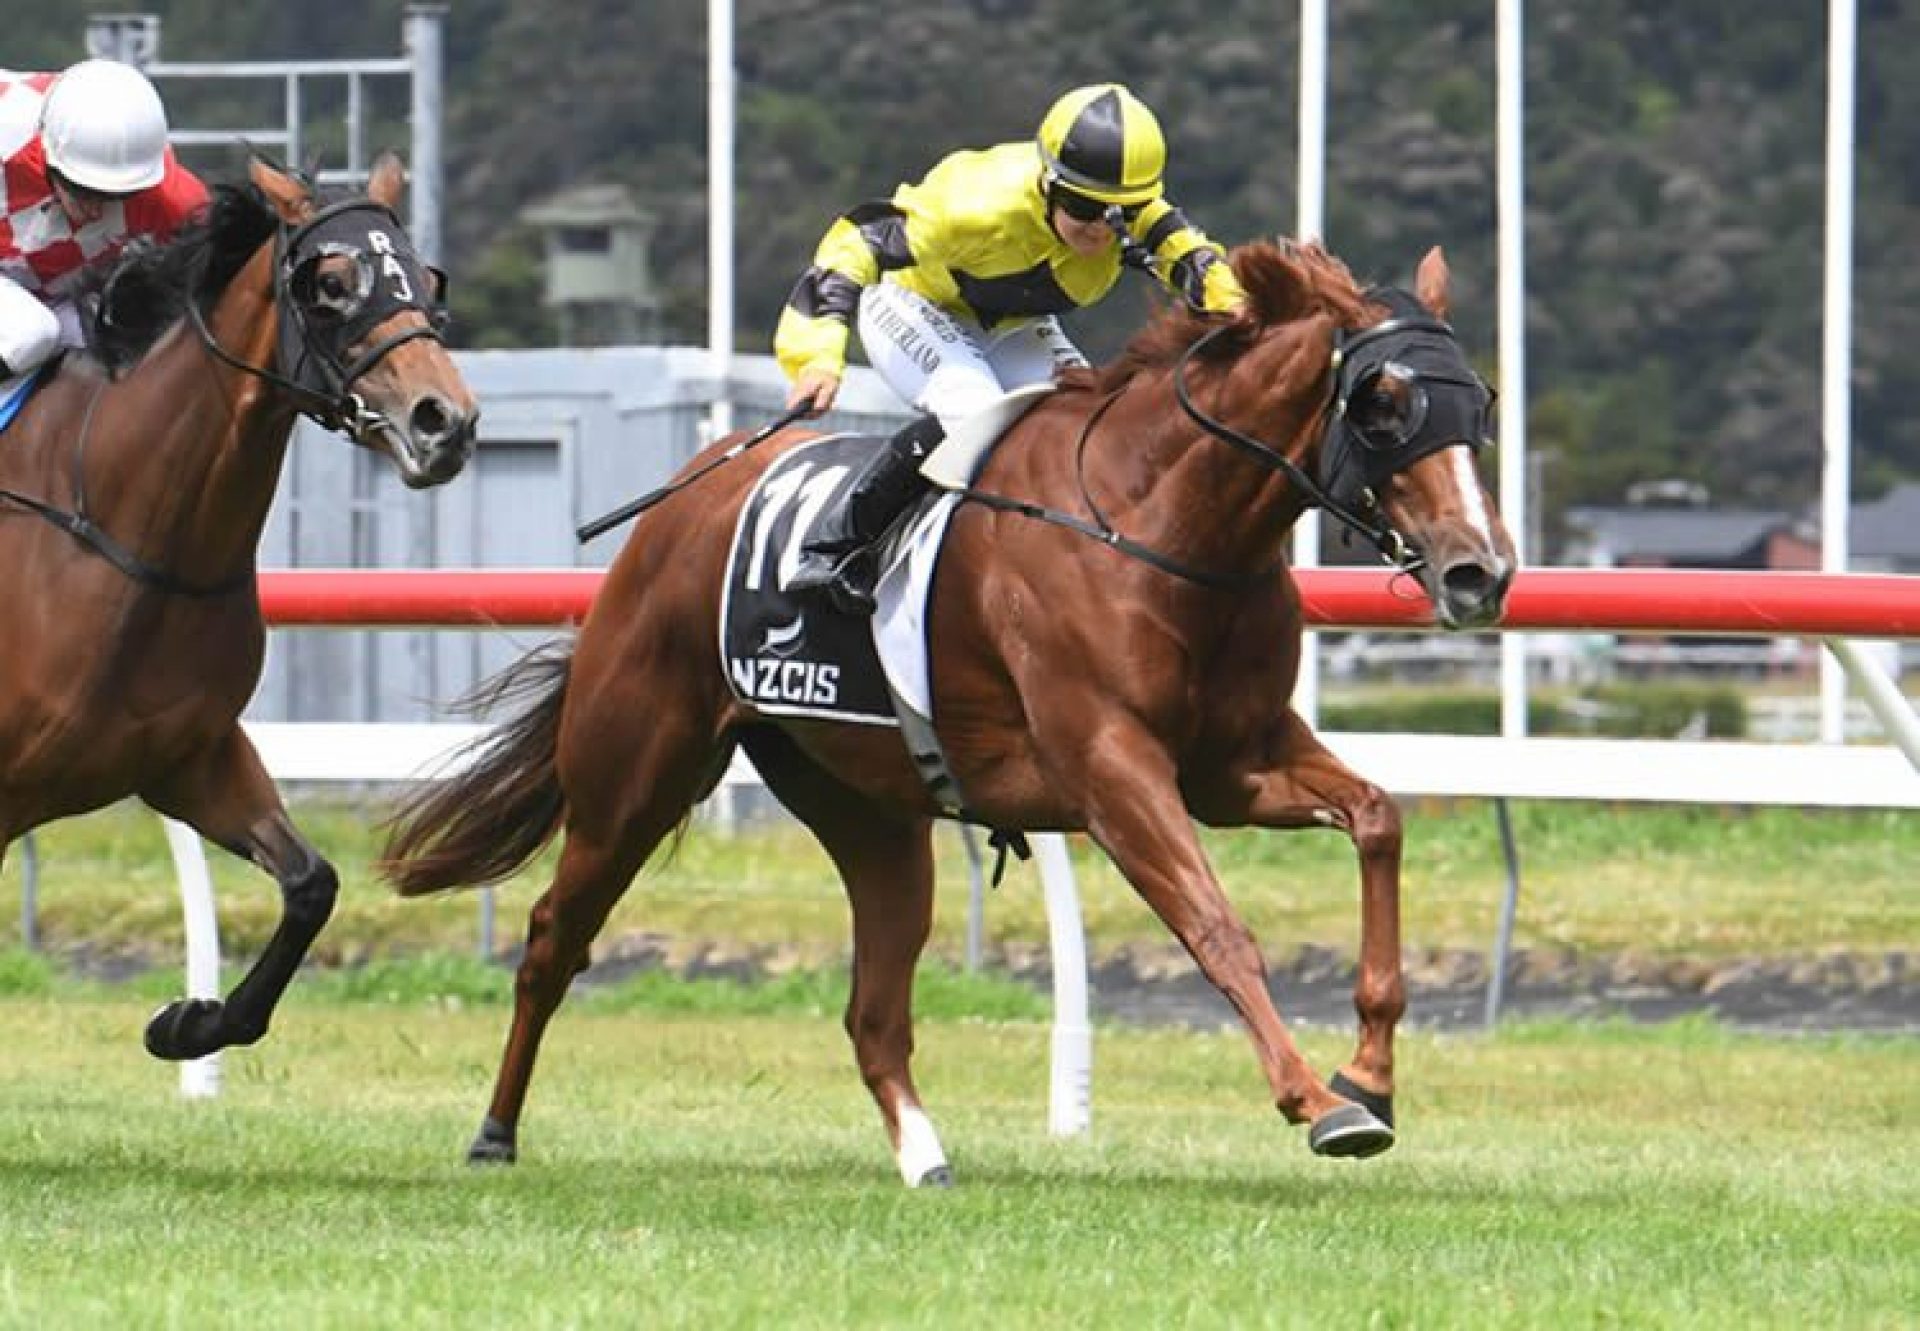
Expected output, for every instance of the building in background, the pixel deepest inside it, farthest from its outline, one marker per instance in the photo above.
(600, 281)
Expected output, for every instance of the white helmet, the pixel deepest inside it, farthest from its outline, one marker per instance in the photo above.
(104, 128)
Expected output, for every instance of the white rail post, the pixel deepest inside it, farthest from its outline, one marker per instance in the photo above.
(199, 1077)
(1070, 1104)
(1892, 710)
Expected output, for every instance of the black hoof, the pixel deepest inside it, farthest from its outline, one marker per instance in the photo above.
(494, 1145)
(1349, 1133)
(940, 1176)
(186, 1028)
(1380, 1106)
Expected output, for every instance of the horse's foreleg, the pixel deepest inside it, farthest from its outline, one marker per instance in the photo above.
(886, 861)
(1137, 816)
(228, 798)
(1296, 783)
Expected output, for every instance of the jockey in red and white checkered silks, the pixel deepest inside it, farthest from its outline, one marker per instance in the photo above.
(84, 169)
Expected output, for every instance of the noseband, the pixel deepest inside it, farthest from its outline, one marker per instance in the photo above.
(316, 329)
(1448, 403)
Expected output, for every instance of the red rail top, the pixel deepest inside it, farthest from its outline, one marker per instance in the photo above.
(1767, 604)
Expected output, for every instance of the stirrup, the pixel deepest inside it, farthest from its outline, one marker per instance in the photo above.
(852, 593)
(817, 569)
(847, 579)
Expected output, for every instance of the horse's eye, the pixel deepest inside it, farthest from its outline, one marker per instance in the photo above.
(334, 286)
(1376, 409)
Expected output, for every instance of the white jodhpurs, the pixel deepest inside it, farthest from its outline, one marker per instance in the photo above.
(947, 365)
(29, 332)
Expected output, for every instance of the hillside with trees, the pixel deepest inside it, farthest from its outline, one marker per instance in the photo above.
(1674, 174)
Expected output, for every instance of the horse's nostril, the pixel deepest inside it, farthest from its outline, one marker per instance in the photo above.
(432, 420)
(1468, 583)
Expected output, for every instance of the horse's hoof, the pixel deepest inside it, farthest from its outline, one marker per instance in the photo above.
(1349, 1132)
(493, 1146)
(185, 1028)
(940, 1176)
(1380, 1106)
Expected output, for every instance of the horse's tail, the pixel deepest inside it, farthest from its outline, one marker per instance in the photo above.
(503, 801)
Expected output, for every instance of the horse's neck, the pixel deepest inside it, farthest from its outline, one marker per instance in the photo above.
(194, 446)
(1196, 497)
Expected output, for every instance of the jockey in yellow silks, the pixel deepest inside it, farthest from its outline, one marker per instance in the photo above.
(956, 283)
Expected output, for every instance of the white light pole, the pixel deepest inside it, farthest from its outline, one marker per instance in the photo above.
(720, 109)
(1836, 343)
(1311, 211)
(1510, 79)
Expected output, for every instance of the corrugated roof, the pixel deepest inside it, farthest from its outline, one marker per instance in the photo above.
(1886, 530)
(1677, 533)
(1889, 527)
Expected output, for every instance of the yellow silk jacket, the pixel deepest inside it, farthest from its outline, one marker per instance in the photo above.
(973, 236)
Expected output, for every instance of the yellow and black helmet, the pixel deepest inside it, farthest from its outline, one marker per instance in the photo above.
(1103, 142)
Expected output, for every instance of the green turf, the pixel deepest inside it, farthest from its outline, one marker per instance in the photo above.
(1698, 882)
(701, 1170)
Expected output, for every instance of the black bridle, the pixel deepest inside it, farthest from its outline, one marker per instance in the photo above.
(1446, 403)
(317, 328)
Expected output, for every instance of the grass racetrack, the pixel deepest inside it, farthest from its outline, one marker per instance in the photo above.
(699, 1153)
(715, 1169)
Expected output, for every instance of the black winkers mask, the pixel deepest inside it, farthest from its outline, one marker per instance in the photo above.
(325, 314)
(1438, 398)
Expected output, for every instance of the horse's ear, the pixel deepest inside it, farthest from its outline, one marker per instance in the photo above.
(1430, 283)
(1277, 286)
(387, 179)
(284, 192)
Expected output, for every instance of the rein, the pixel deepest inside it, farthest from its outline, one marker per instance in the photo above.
(79, 525)
(1103, 531)
(1392, 546)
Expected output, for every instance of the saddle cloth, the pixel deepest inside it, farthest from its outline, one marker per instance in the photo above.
(15, 391)
(788, 655)
(799, 656)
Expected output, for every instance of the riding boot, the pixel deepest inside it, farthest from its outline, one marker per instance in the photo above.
(841, 556)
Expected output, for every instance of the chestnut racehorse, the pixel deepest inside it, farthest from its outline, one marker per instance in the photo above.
(1114, 639)
(134, 487)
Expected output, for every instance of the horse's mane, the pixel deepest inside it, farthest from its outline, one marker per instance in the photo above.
(1284, 282)
(147, 289)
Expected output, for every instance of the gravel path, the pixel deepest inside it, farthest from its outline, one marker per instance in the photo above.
(1838, 993)
(1877, 992)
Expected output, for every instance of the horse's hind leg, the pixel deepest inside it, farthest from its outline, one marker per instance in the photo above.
(614, 821)
(227, 797)
(885, 858)
(1298, 784)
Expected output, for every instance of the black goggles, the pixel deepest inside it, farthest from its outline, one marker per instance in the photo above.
(80, 193)
(1083, 209)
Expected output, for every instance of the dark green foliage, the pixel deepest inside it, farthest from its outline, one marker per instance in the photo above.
(1674, 174)
(1616, 710)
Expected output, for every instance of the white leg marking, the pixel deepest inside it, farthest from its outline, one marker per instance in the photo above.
(920, 1152)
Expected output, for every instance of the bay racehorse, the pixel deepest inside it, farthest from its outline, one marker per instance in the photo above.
(1114, 637)
(134, 486)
